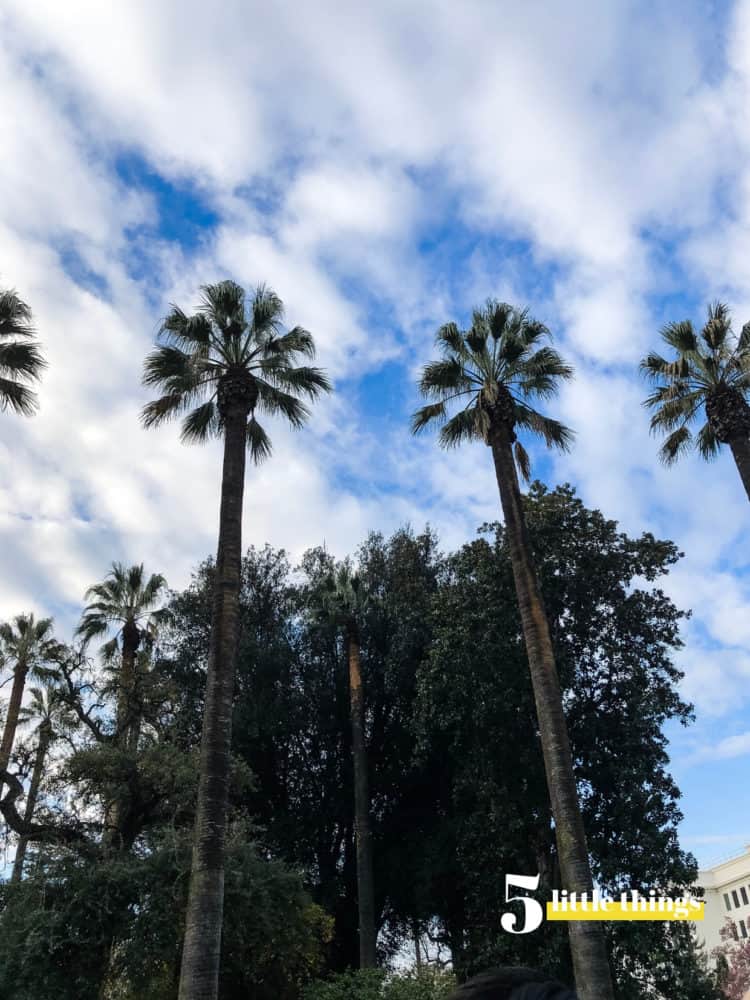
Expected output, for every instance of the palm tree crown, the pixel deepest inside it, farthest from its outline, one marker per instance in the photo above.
(28, 642)
(21, 360)
(231, 349)
(710, 375)
(340, 597)
(128, 603)
(493, 371)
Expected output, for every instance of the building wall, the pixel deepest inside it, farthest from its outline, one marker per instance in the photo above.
(727, 894)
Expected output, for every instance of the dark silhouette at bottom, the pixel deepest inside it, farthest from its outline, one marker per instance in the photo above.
(512, 984)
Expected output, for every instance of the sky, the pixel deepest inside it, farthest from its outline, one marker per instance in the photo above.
(384, 167)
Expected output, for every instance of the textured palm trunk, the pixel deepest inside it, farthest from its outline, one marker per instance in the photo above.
(45, 737)
(199, 975)
(11, 719)
(587, 944)
(363, 833)
(126, 709)
(740, 446)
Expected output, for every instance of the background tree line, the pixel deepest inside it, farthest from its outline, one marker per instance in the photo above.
(456, 778)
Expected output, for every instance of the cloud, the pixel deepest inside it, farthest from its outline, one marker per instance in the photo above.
(383, 168)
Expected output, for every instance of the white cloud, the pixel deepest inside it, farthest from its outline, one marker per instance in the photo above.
(584, 130)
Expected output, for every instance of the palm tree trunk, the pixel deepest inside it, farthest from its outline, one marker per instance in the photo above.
(45, 737)
(11, 719)
(199, 976)
(126, 691)
(741, 451)
(363, 833)
(587, 944)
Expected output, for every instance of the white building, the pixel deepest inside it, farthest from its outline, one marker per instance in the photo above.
(727, 887)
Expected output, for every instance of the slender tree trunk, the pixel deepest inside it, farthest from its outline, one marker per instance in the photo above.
(11, 719)
(199, 976)
(363, 833)
(587, 943)
(45, 736)
(126, 694)
(740, 446)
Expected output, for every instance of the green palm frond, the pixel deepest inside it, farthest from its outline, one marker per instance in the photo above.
(258, 442)
(462, 427)
(127, 596)
(681, 336)
(499, 353)
(522, 461)
(554, 433)
(707, 443)
(676, 444)
(231, 337)
(201, 423)
(684, 383)
(426, 415)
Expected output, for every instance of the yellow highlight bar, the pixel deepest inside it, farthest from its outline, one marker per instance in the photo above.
(620, 911)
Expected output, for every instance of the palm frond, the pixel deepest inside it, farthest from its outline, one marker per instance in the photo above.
(275, 401)
(183, 331)
(522, 461)
(554, 433)
(266, 311)
(296, 341)
(303, 378)
(462, 427)
(15, 315)
(258, 442)
(201, 423)
(451, 340)
(223, 304)
(18, 397)
(707, 443)
(680, 336)
(439, 378)
(21, 359)
(426, 415)
(676, 444)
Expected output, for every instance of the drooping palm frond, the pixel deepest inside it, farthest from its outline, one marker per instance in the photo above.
(230, 337)
(499, 351)
(21, 360)
(702, 367)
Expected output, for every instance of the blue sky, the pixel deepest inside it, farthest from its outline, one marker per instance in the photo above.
(384, 168)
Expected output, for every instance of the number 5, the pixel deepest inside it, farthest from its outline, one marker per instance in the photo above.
(533, 912)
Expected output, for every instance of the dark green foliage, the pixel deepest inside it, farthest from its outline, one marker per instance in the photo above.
(457, 779)
(374, 984)
(66, 925)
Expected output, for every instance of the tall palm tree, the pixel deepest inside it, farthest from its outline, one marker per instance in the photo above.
(27, 644)
(709, 376)
(339, 601)
(132, 607)
(224, 365)
(21, 361)
(44, 708)
(493, 372)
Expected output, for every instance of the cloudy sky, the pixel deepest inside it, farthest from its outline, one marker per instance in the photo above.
(383, 167)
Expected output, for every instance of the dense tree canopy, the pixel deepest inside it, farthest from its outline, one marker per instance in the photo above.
(456, 774)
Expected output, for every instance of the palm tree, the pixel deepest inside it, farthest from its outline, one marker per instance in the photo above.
(27, 644)
(21, 360)
(339, 601)
(710, 375)
(223, 365)
(494, 371)
(43, 707)
(131, 606)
